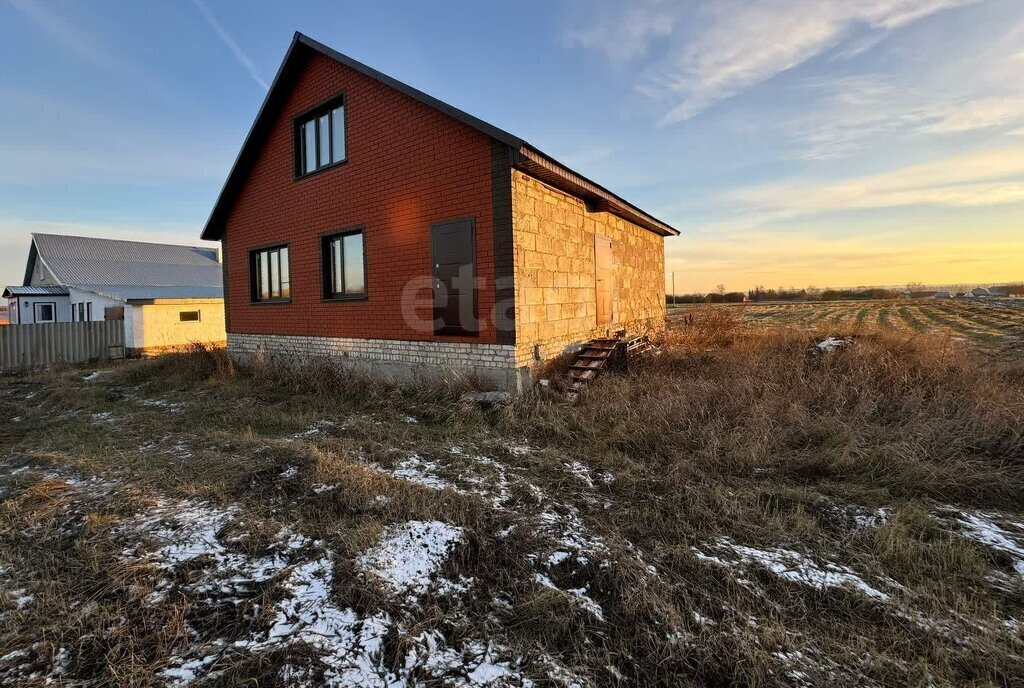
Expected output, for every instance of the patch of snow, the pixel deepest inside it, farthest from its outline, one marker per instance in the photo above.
(578, 595)
(416, 469)
(833, 343)
(320, 488)
(982, 528)
(314, 429)
(409, 554)
(872, 519)
(788, 565)
(411, 420)
(289, 472)
(102, 417)
(170, 406)
(21, 598)
(95, 375)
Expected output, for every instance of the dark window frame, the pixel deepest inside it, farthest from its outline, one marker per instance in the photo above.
(313, 114)
(254, 282)
(35, 311)
(327, 292)
(198, 314)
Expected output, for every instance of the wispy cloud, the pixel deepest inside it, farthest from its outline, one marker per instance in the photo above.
(983, 178)
(720, 49)
(65, 33)
(852, 113)
(228, 41)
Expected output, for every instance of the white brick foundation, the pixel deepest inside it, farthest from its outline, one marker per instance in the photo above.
(492, 366)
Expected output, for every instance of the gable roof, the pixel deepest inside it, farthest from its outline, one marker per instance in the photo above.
(43, 290)
(90, 263)
(524, 156)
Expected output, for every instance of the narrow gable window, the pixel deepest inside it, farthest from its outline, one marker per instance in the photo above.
(188, 316)
(344, 269)
(269, 274)
(320, 137)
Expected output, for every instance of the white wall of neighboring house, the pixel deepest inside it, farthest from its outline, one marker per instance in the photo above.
(99, 303)
(158, 325)
(22, 308)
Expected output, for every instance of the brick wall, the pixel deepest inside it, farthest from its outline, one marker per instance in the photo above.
(408, 166)
(555, 281)
(489, 365)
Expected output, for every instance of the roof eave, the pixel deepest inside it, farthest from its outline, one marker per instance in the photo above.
(537, 163)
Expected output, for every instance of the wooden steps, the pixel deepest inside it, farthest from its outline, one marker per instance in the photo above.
(600, 355)
(593, 359)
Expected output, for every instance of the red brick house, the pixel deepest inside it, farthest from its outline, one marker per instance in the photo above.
(368, 223)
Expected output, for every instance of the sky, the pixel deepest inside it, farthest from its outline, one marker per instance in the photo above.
(793, 142)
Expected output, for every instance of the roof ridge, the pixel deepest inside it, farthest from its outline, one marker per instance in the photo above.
(122, 241)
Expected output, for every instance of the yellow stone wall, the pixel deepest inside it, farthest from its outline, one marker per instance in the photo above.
(555, 292)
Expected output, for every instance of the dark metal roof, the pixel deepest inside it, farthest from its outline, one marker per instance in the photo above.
(529, 158)
(75, 261)
(45, 290)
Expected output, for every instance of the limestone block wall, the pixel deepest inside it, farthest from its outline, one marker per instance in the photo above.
(555, 279)
(401, 361)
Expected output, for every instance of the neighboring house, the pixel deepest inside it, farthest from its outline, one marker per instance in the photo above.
(370, 223)
(942, 295)
(1002, 291)
(978, 291)
(168, 296)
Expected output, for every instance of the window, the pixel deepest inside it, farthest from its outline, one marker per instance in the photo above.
(269, 274)
(88, 310)
(320, 137)
(188, 316)
(45, 312)
(344, 272)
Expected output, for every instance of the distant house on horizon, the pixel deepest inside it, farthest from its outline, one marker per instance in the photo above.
(167, 295)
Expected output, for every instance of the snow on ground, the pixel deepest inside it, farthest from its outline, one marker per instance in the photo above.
(982, 528)
(169, 406)
(787, 565)
(409, 554)
(832, 343)
(95, 375)
(418, 470)
(313, 430)
(578, 595)
(182, 535)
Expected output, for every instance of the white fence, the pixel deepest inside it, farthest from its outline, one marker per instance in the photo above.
(24, 347)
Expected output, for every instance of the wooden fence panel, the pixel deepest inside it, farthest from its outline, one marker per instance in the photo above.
(24, 347)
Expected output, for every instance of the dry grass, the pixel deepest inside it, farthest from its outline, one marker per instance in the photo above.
(731, 438)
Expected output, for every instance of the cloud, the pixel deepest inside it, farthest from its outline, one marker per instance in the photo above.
(731, 45)
(628, 29)
(65, 33)
(235, 49)
(982, 178)
(856, 112)
(982, 113)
